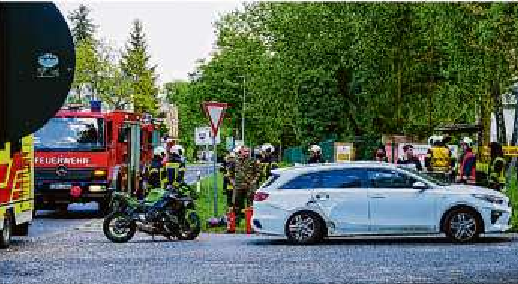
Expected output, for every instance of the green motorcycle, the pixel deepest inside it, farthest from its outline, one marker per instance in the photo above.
(162, 212)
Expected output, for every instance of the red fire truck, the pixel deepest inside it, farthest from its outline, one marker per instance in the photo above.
(82, 156)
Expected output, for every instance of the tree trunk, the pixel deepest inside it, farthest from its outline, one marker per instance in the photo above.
(499, 113)
(398, 94)
(514, 139)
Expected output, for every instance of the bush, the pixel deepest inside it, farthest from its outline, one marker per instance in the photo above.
(512, 193)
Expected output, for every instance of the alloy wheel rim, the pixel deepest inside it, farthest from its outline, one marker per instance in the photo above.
(463, 226)
(119, 227)
(302, 227)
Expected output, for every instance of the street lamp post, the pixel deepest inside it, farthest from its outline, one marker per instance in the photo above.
(243, 112)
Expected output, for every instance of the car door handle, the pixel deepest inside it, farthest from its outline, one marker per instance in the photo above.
(321, 196)
(378, 196)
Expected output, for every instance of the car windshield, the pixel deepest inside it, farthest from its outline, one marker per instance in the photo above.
(70, 133)
(425, 176)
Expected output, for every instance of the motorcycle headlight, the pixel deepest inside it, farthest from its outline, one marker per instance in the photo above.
(490, 198)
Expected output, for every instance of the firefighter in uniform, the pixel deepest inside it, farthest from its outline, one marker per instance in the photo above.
(467, 163)
(266, 163)
(246, 176)
(315, 155)
(438, 160)
(175, 169)
(156, 169)
(229, 173)
(496, 174)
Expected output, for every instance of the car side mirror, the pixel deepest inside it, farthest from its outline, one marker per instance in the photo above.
(419, 185)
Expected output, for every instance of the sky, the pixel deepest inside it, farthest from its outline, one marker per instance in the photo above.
(178, 32)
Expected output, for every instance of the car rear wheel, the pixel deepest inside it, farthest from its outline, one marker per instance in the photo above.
(305, 228)
(462, 225)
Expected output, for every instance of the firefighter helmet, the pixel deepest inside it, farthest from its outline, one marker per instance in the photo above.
(468, 141)
(267, 147)
(158, 150)
(314, 148)
(435, 139)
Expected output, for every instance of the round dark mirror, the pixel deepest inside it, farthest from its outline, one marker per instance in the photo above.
(37, 60)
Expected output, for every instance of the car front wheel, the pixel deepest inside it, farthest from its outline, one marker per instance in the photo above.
(305, 228)
(462, 225)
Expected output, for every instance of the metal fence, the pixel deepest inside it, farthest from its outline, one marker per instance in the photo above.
(364, 148)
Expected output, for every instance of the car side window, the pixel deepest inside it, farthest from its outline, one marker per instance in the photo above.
(343, 178)
(305, 181)
(390, 179)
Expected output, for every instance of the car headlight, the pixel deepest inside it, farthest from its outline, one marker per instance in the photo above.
(490, 198)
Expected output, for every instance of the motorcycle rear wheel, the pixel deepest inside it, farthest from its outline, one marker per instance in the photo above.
(191, 228)
(118, 227)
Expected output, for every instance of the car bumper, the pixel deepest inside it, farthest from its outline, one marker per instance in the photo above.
(269, 221)
(497, 219)
(46, 197)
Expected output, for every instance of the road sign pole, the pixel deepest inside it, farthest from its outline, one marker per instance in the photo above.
(215, 112)
(215, 176)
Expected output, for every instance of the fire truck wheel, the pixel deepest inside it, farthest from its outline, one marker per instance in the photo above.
(62, 208)
(21, 230)
(5, 233)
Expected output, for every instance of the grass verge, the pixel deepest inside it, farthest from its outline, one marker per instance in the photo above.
(205, 204)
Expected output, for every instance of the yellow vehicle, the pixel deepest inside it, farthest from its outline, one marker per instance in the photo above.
(37, 63)
(16, 188)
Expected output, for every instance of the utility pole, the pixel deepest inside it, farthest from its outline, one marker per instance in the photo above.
(243, 112)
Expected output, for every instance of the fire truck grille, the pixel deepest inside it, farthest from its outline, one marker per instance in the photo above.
(51, 174)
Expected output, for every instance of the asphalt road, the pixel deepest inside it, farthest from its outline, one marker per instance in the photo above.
(79, 253)
(71, 248)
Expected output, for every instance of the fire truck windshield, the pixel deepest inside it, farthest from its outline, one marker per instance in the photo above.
(71, 133)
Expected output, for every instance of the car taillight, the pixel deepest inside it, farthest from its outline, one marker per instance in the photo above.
(260, 196)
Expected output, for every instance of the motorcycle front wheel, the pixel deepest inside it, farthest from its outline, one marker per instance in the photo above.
(119, 228)
(191, 227)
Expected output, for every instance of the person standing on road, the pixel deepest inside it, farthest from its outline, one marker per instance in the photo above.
(246, 176)
(267, 163)
(381, 155)
(496, 175)
(155, 170)
(409, 158)
(229, 173)
(467, 166)
(175, 169)
(315, 155)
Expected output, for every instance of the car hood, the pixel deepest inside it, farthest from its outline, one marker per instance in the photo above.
(471, 189)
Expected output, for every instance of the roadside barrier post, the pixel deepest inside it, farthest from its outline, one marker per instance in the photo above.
(248, 219)
(231, 221)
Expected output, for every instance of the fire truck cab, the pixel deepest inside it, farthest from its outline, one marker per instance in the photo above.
(83, 156)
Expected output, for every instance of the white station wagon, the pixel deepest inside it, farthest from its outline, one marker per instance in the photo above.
(307, 204)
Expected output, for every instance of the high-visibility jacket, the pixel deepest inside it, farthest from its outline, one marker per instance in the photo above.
(228, 176)
(174, 172)
(440, 160)
(266, 167)
(497, 176)
(467, 168)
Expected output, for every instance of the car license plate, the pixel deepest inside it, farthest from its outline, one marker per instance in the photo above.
(60, 186)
